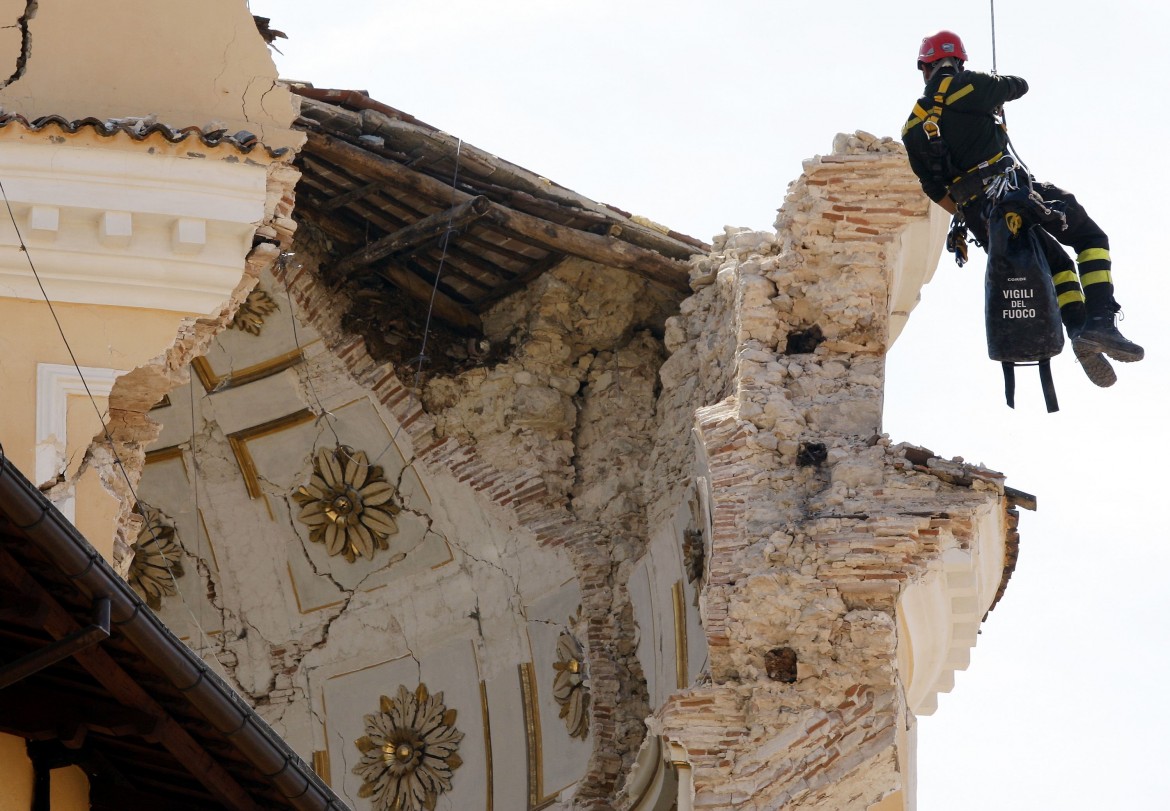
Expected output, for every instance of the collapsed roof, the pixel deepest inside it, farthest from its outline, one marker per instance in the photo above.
(413, 209)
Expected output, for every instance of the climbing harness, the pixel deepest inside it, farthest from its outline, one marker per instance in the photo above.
(939, 162)
(1022, 312)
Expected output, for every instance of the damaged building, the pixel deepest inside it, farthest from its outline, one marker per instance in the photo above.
(459, 489)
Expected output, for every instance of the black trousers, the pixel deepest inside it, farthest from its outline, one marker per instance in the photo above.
(1082, 233)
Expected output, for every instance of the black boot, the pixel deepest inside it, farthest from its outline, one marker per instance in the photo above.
(1095, 365)
(1100, 334)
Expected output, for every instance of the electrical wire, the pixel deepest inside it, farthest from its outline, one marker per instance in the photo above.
(139, 505)
(446, 238)
(422, 352)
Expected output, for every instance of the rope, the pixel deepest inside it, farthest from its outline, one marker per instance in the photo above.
(994, 69)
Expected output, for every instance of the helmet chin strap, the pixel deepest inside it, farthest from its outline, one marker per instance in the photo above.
(935, 67)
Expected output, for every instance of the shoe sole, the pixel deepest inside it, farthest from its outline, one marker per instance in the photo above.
(1083, 347)
(1097, 369)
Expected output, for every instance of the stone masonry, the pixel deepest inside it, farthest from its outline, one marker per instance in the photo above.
(816, 522)
(606, 402)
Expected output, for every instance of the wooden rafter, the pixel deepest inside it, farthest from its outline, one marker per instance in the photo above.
(407, 239)
(351, 196)
(616, 253)
(125, 689)
(667, 272)
(534, 272)
(37, 713)
(446, 307)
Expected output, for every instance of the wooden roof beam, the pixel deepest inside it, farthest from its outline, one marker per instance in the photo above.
(313, 196)
(353, 195)
(654, 266)
(534, 272)
(418, 233)
(43, 714)
(604, 250)
(446, 308)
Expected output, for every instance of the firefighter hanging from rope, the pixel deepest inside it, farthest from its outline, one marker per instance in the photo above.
(960, 152)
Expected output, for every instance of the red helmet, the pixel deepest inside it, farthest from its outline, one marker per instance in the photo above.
(940, 46)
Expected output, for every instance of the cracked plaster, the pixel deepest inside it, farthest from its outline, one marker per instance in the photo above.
(193, 65)
(564, 475)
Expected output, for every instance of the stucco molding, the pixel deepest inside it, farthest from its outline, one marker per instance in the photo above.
(920, 245)
(56, 383)
(121, 228)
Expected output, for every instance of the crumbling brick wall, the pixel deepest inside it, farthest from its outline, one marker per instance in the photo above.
(816, 520)
(586, 427)
(556, 429)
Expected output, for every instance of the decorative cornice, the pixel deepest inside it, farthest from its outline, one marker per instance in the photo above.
(940, 614)
(126, 228)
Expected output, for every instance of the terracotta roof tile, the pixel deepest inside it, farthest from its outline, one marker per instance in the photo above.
(142, 128)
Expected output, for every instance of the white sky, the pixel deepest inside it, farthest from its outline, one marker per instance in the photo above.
(698, 114)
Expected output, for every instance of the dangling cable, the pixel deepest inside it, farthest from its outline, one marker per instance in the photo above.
(442, 259)
(138, 504)
(1000, 112)
(431, 307)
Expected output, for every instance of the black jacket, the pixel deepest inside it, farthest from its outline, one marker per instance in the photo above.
(967, 124)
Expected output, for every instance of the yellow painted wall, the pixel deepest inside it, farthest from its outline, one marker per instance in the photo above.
(104, 337)
(186, 63)
(68, 787)
(16, 775)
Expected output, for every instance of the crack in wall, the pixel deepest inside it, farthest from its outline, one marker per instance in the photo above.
(264, 96)
(346, 769)
(22, 59)
(227, 49)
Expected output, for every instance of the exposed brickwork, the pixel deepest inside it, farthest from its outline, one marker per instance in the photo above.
(808, 553)
(569, 437)
(555, 487)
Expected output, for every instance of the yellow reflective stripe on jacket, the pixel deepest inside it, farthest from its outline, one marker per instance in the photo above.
(1069, 297)
(1064, 276)
(1089, 254)
(918, 115)
(1096, 277)
(958, 94)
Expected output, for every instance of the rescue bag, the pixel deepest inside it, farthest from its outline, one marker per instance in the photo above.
(1023, 319)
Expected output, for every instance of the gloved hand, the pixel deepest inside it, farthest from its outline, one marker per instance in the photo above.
(957, 240)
